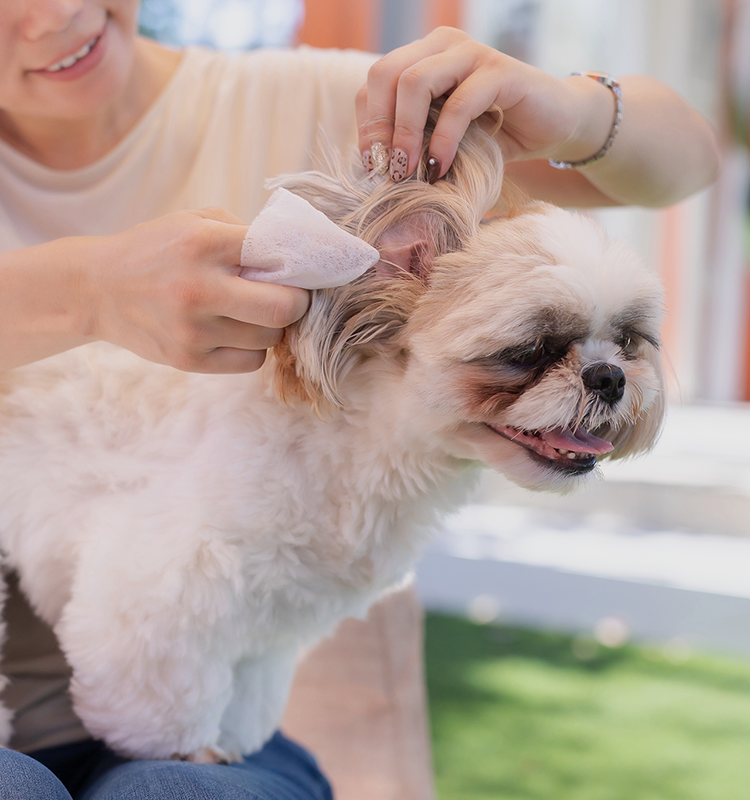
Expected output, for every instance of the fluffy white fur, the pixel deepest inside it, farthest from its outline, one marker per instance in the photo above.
(186, 535)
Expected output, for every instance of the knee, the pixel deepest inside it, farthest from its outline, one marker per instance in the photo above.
(23, 778)
(153, 780)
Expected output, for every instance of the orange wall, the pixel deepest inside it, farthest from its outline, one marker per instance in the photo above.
(357, 23)
(338, 23)
(442, 12)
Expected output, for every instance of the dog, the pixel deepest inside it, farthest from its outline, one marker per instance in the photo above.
(186, 535)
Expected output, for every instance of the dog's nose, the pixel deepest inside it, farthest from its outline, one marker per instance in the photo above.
(607, 380)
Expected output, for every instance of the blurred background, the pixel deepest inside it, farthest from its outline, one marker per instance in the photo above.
(639, 585)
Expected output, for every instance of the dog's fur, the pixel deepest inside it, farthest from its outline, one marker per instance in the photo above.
(186, 534)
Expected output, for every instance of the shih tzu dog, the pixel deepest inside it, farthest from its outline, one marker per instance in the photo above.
(185, 535)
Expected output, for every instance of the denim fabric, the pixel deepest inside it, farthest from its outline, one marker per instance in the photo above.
(22, 778)
(282, 770)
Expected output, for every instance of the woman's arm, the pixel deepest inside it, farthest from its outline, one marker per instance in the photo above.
(168, 290)
(663, 152)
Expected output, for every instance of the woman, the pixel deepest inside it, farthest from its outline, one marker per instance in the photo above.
(107, 141)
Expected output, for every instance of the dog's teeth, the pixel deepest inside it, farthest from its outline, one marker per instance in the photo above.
(563, 452)
(572, 455)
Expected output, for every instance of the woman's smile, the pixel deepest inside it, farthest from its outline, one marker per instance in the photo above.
(78, 63)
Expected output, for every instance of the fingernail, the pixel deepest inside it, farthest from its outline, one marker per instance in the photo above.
(398, 164)
(380, 157)
(433, 169)
(367, 160)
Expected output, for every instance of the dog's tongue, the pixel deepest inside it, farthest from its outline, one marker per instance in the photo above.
(577, 441)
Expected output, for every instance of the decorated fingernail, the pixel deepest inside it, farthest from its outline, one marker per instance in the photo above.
(367, 160)
(399, 161)
(380, 157)
(433, 169)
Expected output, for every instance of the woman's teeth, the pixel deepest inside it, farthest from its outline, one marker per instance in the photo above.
(72, 59)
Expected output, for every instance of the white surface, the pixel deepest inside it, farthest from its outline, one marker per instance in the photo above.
(661, 543)
(598, 545)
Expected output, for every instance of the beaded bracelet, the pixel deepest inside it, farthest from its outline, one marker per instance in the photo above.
(614, 86)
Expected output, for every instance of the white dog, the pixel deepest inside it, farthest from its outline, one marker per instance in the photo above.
(186, 535)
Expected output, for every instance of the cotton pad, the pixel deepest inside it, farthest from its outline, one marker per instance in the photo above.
(294, 244)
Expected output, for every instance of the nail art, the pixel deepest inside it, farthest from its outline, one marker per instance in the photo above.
(380, 157)
(398, 165)
(367, 160)
(433, 169)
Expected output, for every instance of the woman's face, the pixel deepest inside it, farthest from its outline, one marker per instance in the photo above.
(64, 59)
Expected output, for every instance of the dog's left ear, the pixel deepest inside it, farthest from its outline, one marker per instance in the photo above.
(364, 318)
(412, 224)
(407, 247)
(343, 327)
(350, 323)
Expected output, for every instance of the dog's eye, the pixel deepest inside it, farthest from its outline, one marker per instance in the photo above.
(628, 343)
(530, 356)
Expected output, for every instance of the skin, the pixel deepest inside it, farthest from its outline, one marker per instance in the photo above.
(190, 309)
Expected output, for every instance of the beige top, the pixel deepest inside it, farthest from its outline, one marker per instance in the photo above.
(220, 128)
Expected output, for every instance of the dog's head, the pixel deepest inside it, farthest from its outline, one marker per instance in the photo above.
(528, 341)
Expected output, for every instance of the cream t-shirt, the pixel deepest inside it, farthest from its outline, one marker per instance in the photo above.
(220, 128)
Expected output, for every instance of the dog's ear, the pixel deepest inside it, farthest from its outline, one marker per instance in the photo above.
(411, 223)
(407, 248)
(343, 327)
(350, 323)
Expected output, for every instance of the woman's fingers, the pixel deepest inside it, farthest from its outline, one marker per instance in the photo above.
(225, 332)
(227, 345)
(376, 111)
(266, 305)
(225, 360)
(382, 126)
(227, 295)
(541, 113)
(401, 87)
(475, 94)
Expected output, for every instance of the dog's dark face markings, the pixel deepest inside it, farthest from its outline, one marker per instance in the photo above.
(493, 383)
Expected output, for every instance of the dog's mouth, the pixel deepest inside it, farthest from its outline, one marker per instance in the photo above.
(573, 450)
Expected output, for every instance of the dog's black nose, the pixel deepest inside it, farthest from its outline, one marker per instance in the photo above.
(607, 380)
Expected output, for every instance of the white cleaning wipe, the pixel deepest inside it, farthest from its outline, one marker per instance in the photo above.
(294, 244)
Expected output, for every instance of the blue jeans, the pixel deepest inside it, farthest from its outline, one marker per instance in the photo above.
(282, 770)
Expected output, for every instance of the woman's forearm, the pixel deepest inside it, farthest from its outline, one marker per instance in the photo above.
(664, 149)
(42, 308)
(663, 152)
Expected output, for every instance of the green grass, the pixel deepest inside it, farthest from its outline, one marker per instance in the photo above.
(517, 716)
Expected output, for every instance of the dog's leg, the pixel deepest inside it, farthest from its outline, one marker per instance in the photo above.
(151, 637)
(261, 690)
(5, 714)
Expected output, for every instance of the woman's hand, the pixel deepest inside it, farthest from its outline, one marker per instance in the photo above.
(169, 290)
(541, 114)
(664, 150)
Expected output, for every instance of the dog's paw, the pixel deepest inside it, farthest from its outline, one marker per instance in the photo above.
(211, 755)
